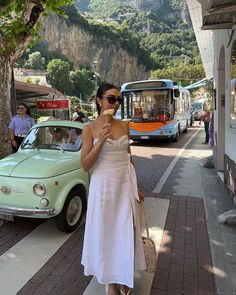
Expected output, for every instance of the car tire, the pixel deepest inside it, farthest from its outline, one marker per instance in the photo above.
(72, 212)
(176, 137)
(186, 128)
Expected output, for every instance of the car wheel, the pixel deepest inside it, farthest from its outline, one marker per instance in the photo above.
(186, 128)
(72, 212)
(176, 137)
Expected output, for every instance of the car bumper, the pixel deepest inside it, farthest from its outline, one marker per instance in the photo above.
(25, 212)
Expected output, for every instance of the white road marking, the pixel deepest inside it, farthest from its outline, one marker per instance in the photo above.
(166, 174)
(24, 259)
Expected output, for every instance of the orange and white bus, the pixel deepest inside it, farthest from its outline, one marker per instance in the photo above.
(155, 109)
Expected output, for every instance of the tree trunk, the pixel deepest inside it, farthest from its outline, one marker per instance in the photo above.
(5, 105)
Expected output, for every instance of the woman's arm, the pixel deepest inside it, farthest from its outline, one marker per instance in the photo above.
(89, 151)
(11, 134)
(12, 137)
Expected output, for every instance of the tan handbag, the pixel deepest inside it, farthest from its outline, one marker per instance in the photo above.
(149, 247)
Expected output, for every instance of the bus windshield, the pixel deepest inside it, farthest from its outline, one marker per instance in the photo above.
(149, 105)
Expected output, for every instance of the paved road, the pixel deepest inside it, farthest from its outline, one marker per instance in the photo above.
(48, 262)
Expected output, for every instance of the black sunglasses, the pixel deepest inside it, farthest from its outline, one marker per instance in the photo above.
(113, 99)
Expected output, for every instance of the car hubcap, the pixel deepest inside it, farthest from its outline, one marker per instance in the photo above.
(74, 210)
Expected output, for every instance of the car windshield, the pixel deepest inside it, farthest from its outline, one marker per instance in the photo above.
(53, 138)
(149, 105)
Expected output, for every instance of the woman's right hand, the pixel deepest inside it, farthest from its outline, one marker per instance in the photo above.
(105, 133)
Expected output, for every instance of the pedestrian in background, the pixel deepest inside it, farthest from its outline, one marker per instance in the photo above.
(211, 130)
(113, 247)
(205, 118)
(19, 126)
(78, 115)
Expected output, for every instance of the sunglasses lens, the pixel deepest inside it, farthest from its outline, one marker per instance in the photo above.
(113, 99)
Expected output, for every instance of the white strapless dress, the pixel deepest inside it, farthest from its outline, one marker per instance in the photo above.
(113, 248)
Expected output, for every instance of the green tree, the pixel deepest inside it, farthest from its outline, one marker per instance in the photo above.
(19, 23)
(183, 73)
(82, 84)
(57, 74)
(107, 8)
(35, 61)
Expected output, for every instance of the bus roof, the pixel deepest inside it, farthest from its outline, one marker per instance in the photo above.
(148, 84)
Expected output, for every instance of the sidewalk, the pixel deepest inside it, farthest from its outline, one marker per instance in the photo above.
(196, 255)
(184, 263)
(193, 239)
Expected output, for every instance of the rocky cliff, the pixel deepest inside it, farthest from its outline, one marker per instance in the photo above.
(112, 63)
(146, 5)
(179, 6)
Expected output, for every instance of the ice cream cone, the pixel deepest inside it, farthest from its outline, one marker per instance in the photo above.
(108, 115)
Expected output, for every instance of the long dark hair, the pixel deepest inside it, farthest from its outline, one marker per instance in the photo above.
(100, 92)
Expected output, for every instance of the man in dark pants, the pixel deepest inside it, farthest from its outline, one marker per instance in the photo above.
(205, 117)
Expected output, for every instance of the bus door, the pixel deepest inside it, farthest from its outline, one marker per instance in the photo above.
(180, 111)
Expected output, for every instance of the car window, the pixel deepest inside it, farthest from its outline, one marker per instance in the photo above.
(197, 106)
(56, 137)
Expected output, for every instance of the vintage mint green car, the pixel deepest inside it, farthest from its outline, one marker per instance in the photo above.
(44, 178)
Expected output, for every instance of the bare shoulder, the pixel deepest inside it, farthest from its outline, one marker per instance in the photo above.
(87, 127)
(87, 130)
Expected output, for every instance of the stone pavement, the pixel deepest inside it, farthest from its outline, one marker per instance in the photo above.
(190, 180)
(196, 254)
(184, 263)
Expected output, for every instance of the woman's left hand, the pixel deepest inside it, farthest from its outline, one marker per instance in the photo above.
(141, 196)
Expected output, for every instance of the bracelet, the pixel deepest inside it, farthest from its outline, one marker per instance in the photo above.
(95, 148)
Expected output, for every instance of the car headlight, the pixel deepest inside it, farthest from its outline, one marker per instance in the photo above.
(39, 189)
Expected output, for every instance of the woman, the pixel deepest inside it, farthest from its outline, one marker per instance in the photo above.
(112, 243)
(19, 126)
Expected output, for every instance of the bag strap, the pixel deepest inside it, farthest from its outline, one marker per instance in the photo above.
(145, 219)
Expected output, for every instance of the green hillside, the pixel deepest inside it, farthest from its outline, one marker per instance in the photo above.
(157, 32)
(160, 27)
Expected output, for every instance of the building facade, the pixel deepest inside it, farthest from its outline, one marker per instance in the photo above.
(218, 19)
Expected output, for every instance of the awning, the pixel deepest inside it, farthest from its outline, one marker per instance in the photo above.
(201, 83)
(28, 93)
(219, 14)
